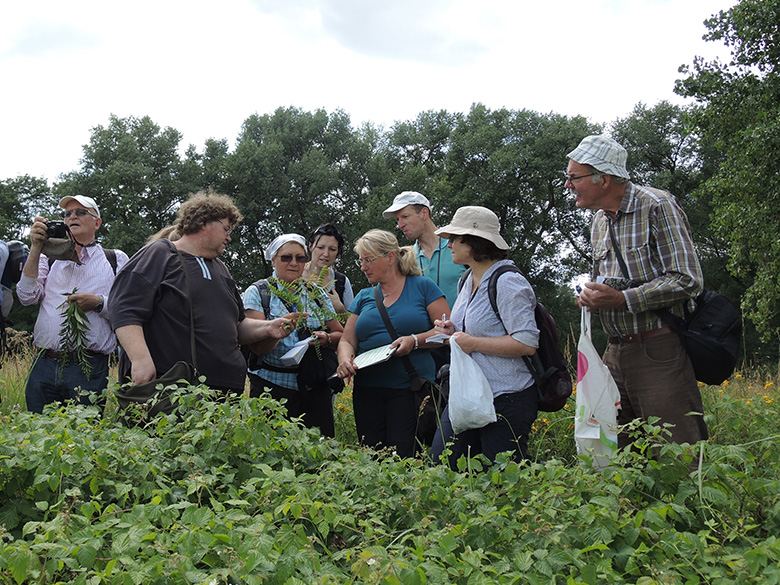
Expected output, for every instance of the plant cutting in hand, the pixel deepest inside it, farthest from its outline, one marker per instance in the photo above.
(73, 334)
(311, 302)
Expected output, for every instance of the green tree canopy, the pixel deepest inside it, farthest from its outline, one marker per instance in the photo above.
(132, 168)
(738, 112)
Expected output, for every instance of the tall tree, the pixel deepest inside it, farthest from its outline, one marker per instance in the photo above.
(512, 162)
(738, 112)
(21, 199)
(294, 170)
(132, 168)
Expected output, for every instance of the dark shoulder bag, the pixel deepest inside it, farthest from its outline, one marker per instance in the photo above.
(427, 394)
(155, 395)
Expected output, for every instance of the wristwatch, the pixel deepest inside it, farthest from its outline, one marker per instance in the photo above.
(101, 302)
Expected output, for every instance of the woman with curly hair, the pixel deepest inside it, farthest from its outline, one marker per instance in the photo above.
(152, 296)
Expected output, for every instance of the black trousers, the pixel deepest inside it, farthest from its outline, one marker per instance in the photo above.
(315, 407)
(386, 417)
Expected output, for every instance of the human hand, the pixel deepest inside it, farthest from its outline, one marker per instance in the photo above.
(444, 326)
(405, 345)
(465, 341)
(338, 306)
(280, 328)
(38, 232)
(346, 368)
(87, 301)
(600, 296)
(143, 371)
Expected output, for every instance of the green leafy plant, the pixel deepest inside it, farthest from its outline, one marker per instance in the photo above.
(73, 334)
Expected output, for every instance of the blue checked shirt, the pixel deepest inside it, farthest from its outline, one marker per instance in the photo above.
(655, 240)
(277, 309)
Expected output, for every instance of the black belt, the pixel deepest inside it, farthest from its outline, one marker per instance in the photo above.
(66, 355)
(623, 339)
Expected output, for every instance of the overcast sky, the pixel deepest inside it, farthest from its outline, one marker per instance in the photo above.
(203, 67)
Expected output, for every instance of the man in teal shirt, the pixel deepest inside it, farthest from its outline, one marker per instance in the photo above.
(412, 212)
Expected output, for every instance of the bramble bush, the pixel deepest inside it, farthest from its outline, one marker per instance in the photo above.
(232, 492)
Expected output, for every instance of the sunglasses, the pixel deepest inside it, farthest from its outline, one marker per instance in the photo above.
(78, 212)
(287, 258)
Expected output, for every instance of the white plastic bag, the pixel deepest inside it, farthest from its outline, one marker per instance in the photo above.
(471, 401)
(598, 400)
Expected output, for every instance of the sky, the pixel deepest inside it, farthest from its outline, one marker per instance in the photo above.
(203, 67)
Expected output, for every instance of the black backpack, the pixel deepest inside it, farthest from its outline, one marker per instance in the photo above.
(548, 366)
(711, 335)
(17, 256)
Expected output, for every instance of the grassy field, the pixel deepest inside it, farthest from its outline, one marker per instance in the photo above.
(233, 493)
(748, 396)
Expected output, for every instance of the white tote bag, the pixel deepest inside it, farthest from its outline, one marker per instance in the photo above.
(598, 400)
(471, 401)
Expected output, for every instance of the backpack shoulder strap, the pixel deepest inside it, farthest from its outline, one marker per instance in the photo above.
(493, 284)
(264, 289)
(463, 277)
(341, 283)
(111, 257)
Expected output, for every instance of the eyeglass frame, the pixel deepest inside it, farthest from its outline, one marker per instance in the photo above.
(79, 213)
(570, 179)
(228, 230)
(360, 262)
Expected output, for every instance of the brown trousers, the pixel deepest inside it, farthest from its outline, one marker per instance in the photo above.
(655, 378)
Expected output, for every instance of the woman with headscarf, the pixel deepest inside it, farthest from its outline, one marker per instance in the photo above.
(307, 305)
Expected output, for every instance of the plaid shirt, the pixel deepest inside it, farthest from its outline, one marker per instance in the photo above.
(655, 240)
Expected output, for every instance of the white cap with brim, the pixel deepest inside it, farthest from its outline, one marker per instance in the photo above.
(85, 201)
(402, 200)
(274, 246)
(474, 221)
(603, 154)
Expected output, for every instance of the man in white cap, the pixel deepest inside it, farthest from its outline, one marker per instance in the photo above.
(412, 212)
(52, 284)
(644, 263)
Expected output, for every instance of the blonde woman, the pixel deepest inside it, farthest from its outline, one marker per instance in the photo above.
(384, 405)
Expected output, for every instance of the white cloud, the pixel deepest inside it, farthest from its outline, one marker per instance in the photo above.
(204, 67)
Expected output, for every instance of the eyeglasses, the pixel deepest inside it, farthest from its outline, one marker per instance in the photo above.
(78, 212)
(571, 178)
(287, 258)
(228, 230)
(364, 261)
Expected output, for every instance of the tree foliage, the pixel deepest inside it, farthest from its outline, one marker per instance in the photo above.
(738, 112)
(21, 199)
(132, 168)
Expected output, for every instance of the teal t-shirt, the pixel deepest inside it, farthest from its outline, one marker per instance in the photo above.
(441, 269)
(409, 314)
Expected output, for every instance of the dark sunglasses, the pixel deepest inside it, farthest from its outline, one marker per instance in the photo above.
(287, 258)
(78, 212)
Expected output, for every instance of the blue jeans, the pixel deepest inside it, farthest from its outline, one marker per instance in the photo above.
(515, 412)
(45, 384)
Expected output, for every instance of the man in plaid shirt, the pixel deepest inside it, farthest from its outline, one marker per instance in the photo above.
(660, 272)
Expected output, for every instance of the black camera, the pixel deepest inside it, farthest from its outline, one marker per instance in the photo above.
(56, 229)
